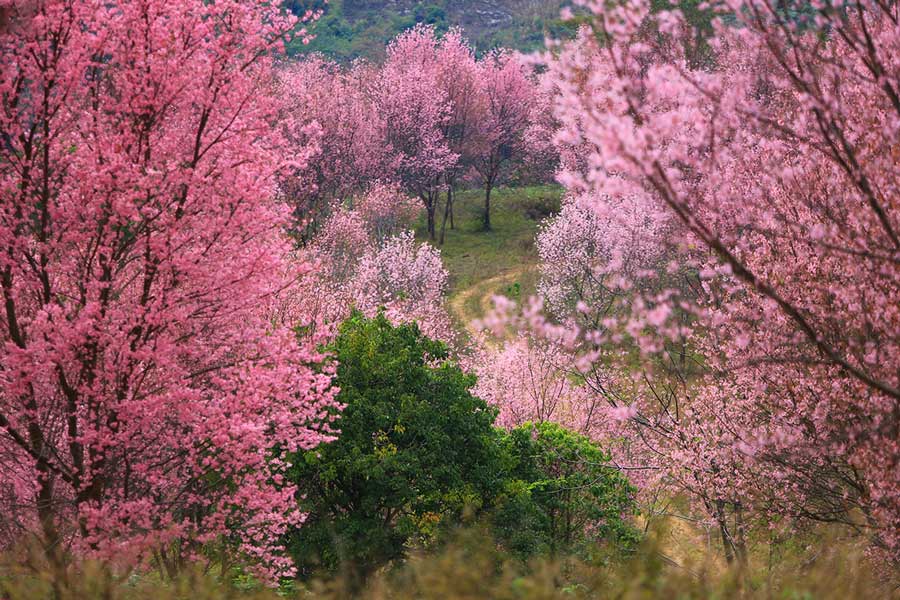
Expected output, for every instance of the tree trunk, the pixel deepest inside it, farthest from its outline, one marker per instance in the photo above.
(44, 498)
(450, 194)
(448, 212)
(429, 208)
(487, 207)
(741, 542)
(51, 538)
(723, 530)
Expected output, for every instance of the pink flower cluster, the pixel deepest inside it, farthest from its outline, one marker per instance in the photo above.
(428, 116)
(143, 386)
(592, 251)
(768, 337)
(368, 260)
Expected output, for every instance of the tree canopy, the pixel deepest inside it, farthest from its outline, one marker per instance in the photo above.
(415, 449)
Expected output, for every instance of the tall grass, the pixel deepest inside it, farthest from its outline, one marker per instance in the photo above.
(472, 566)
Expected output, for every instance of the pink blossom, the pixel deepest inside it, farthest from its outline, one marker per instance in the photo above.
(794, 237)
(146, 378)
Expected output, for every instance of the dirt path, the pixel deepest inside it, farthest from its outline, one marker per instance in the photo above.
(460, 304)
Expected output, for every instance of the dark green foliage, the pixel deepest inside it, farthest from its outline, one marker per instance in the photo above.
(431, 14)
(300, 7)
(358, 29)
(352, 29)
(528, 33)
(539, 208)
(415, 450)
(562, 496)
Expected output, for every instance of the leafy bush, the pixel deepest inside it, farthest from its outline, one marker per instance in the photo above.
(415, 450)
(562, 496)
(538, 208)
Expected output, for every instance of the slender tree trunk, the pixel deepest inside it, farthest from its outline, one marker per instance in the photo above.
(44, 496)
(723, 530)
(741, 542)
(450, 195)
(448, 212)
(52, 542)
(429, 209)
(487, 206)
(46, 515)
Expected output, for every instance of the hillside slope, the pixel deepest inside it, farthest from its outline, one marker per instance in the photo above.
(352, 29)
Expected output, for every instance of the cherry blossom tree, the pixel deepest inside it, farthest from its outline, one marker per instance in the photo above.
(352, 232)
(541, 157)
(778, 159)
(429, 114)
(338, 247)
(414, 111)
(509, 98)
(586, 257)
(409, 281)
(369, 260)
(143, 386)
(386, 211)
(459, 77)
(527, 380)
(329, 117)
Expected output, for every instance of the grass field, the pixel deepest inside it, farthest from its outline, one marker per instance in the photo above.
(469, 567)
(500, 261)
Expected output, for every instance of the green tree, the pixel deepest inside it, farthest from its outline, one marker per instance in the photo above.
(415, 450)
(561, 495)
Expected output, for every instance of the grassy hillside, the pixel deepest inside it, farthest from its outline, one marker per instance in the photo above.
(500, 261)
(353, 29)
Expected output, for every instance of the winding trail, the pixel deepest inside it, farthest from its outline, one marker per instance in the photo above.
(683, 543)
(461, 303)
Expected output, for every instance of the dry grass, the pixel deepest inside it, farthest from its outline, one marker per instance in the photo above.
(472, 567)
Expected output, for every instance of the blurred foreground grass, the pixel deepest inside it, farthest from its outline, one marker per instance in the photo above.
(473, 567)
